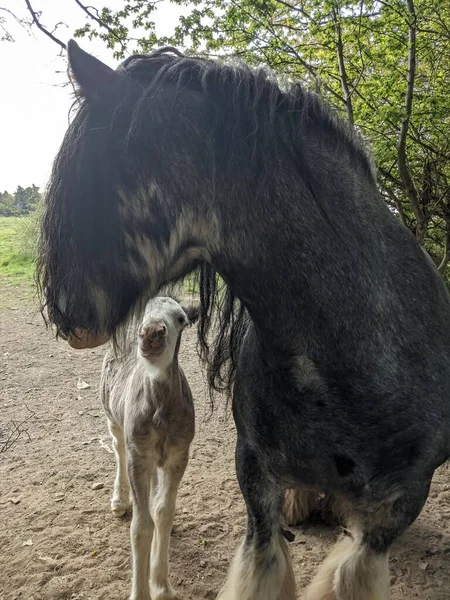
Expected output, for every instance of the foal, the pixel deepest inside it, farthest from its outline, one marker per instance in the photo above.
(150, 414)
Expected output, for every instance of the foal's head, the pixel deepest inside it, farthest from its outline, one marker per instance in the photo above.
(160, 331)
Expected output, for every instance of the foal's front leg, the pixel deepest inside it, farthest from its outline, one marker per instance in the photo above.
(140, 468)
(120, 501)
(163, 509)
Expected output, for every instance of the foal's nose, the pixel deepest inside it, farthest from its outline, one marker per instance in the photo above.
(153, 331)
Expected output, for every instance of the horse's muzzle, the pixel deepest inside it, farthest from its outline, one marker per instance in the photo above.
(81, 339)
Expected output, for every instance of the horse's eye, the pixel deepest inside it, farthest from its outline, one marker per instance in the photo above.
(181, 320)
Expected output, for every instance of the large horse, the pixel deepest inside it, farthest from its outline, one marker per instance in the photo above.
(333, 328)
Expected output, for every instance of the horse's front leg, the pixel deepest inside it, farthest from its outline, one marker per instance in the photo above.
(261, 569)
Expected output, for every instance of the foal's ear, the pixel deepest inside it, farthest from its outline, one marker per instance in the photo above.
(193, 313)
(92, 77)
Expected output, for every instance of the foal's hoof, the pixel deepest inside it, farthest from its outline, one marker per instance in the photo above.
(163, 592)
(119, 508)
(166, 596)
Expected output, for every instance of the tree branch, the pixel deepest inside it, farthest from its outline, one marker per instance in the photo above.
(403, 168)
(446, 257)
(387, 175)
(397, 204)
(14, 16)
(298, 9)
(101, 23)
(342, 70)
(41, 27)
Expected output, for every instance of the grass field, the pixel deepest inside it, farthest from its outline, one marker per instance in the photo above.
(16, 249)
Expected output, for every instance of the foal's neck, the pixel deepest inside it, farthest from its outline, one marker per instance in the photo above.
(165, 374)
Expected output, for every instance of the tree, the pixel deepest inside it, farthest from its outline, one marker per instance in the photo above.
(26, 199)
(7, 208)
(22, 202)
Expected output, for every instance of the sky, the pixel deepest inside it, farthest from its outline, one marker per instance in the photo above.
(34, 105)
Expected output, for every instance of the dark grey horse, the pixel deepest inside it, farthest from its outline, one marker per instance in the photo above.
(334, 326)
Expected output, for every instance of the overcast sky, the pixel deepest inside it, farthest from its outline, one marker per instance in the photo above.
(33, 108)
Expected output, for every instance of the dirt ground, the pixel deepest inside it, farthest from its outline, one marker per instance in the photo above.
(58, 539)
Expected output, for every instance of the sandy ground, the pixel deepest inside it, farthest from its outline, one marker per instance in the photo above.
(58, 539)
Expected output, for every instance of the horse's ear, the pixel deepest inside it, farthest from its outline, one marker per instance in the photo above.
(93, 78)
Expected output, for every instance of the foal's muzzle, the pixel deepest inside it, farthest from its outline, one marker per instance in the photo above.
(152, 339)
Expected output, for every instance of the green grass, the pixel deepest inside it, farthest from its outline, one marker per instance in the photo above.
(17, 237)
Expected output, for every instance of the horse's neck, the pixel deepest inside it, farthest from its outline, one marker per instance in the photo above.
(286, 267)
(266, 283)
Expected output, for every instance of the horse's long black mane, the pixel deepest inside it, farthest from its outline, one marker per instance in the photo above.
(256, 94)
(253, 107)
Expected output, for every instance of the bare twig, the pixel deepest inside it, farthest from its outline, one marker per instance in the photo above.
(6, 34)
(41, 27)
(16, 431)
(14, 16)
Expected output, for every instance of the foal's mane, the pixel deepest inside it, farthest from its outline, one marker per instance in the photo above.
(256, 97)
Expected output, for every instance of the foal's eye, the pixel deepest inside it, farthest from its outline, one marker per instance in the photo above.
(181, 320)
